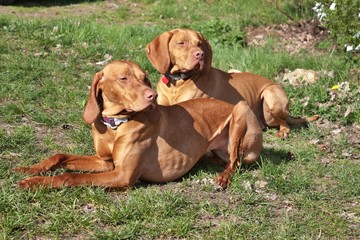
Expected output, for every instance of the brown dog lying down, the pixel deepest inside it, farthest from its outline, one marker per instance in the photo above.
(136, 139)
(184, 58)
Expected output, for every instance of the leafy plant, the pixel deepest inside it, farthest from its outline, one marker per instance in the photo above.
(342, 19)
(223, 33)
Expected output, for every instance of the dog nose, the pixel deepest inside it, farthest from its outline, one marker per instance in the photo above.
(199, 54)
(150, 95)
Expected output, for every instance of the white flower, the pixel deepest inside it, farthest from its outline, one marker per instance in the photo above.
(357, 35)
(349, 48)
(357, 48)
(55, 29)
(332, 6)
(318, 7)
(321, 15)
(318, 4)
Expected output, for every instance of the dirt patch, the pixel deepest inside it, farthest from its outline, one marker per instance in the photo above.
(292, 37)
(333, 133)
(53, 10)
(58, 134)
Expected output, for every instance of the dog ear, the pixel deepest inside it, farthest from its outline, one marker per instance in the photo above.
(92, 110)
(158, 52)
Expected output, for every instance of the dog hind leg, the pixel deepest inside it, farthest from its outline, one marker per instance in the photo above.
(276, 109)
(245, 142)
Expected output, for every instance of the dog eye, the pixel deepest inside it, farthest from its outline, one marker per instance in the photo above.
(122, 78)
(181, 43)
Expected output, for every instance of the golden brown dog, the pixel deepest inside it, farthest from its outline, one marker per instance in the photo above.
(184, 58)
(136, 139)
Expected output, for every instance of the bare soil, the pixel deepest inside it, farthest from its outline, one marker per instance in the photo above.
(58, 10)
(292, 37)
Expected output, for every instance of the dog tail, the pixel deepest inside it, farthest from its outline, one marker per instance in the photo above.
(302, 121)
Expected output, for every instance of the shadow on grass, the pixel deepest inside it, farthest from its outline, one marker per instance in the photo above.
(276, 156)
(211, 164)
(269, 155)
(208, 164)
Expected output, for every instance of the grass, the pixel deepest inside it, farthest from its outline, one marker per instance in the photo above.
(46, 66)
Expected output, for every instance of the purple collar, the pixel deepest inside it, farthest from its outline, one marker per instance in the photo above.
(113, 123)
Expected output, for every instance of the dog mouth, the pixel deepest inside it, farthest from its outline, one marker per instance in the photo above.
(151, 107)
(197, 68)
(186, 70)
(126, 112)
(185, 73)
(131, 111)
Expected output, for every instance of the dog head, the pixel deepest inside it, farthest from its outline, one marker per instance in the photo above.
(182, 51)
(120, 89)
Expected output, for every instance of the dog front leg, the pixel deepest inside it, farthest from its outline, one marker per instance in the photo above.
(112, 179)
(68, 161)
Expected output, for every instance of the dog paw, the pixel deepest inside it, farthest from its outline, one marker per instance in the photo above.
(222, 182)
(283, 135)
(218, 188)
(21, 169)
(28, 170)
(31, 183)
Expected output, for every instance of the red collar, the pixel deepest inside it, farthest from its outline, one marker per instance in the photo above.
(176, 76)
(165, 80)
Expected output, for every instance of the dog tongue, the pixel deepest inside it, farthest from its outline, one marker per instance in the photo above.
(164, 79)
